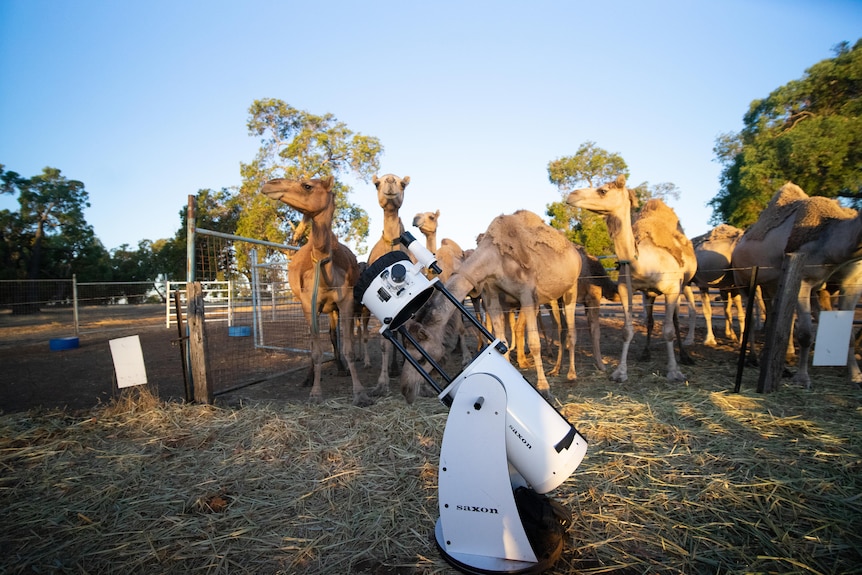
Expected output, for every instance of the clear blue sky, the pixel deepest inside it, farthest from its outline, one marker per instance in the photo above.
(146, 102)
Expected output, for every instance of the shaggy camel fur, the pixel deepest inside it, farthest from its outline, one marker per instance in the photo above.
(519, 256)
(322, 273)
(658, 259)
(390, 196)
(829, 235)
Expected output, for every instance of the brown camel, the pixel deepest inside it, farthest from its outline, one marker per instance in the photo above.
(322, 273)
(390, 196)
(655, 255)
(521, 257)
(449, 255)
(829, 235)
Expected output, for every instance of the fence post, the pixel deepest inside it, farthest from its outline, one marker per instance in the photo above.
(190, 239)
(75, 303)
(199, 359)
(779, 322)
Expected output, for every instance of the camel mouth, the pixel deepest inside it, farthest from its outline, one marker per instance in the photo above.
(272, 189)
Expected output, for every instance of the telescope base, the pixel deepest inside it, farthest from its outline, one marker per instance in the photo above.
(482, 565)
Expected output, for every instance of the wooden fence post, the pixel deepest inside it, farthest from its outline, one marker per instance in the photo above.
(199, 359)
(779, 322)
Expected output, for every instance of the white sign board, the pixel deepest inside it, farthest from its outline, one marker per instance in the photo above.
(128, 361)
(833, 337)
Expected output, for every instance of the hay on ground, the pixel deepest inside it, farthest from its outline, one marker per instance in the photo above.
(677, 479)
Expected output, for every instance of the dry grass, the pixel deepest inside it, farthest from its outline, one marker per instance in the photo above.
(677, 479)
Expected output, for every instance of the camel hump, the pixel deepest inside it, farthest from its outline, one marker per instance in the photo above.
(719, 233)
(812, 217)
(451, 244)
(658, 223)
(781, 206)
(519, 235)
(787, 194)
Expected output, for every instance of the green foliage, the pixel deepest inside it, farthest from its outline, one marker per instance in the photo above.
(589, 167)
(296, 144)
(48, 237)
(592, 166)
(808, 131)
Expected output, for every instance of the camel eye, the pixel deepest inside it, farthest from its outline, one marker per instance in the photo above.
(306, 187)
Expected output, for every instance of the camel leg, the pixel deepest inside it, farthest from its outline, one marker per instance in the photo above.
(591, 311)
(341, 369)
(709, 340)
(360, 398)
(732, 299)
(386, 349)
(649, 304)
(555, 314)
(668, 331)
(363, 337)
(684, 358)
(316, 393)
(804, 334)
(519, 340)
(692, 314)
(571, 336)
(532, 329)
(620, 374)
(466, 355)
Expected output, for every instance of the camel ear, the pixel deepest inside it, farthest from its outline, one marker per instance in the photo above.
(633, 198)
(437, 214)
(620, 182)
(404, 181)
(375, 180)
(327, 182)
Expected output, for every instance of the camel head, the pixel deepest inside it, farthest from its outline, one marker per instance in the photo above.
(426, 222)
(307, 196)
(612, 198)
(390, 190)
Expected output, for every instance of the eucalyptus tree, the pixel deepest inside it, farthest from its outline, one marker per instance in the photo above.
(297, 144)
(808, 131)
(48, 236)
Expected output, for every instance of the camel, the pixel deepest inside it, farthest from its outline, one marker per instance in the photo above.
(449, 257)
(713, 251)
(390, 196)
(654, 254)
(829, 235)
(521, 257)
(322, 273)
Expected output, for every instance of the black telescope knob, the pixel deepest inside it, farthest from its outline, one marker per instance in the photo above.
(398, 273)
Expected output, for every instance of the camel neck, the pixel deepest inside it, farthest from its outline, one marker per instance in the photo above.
(392, 226)
(321, 237)
(431, 242)
(620, 230)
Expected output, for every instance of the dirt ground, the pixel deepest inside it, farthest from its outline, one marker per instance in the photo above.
(33, 376)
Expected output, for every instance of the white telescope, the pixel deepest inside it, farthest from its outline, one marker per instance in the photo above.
(504, 445)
